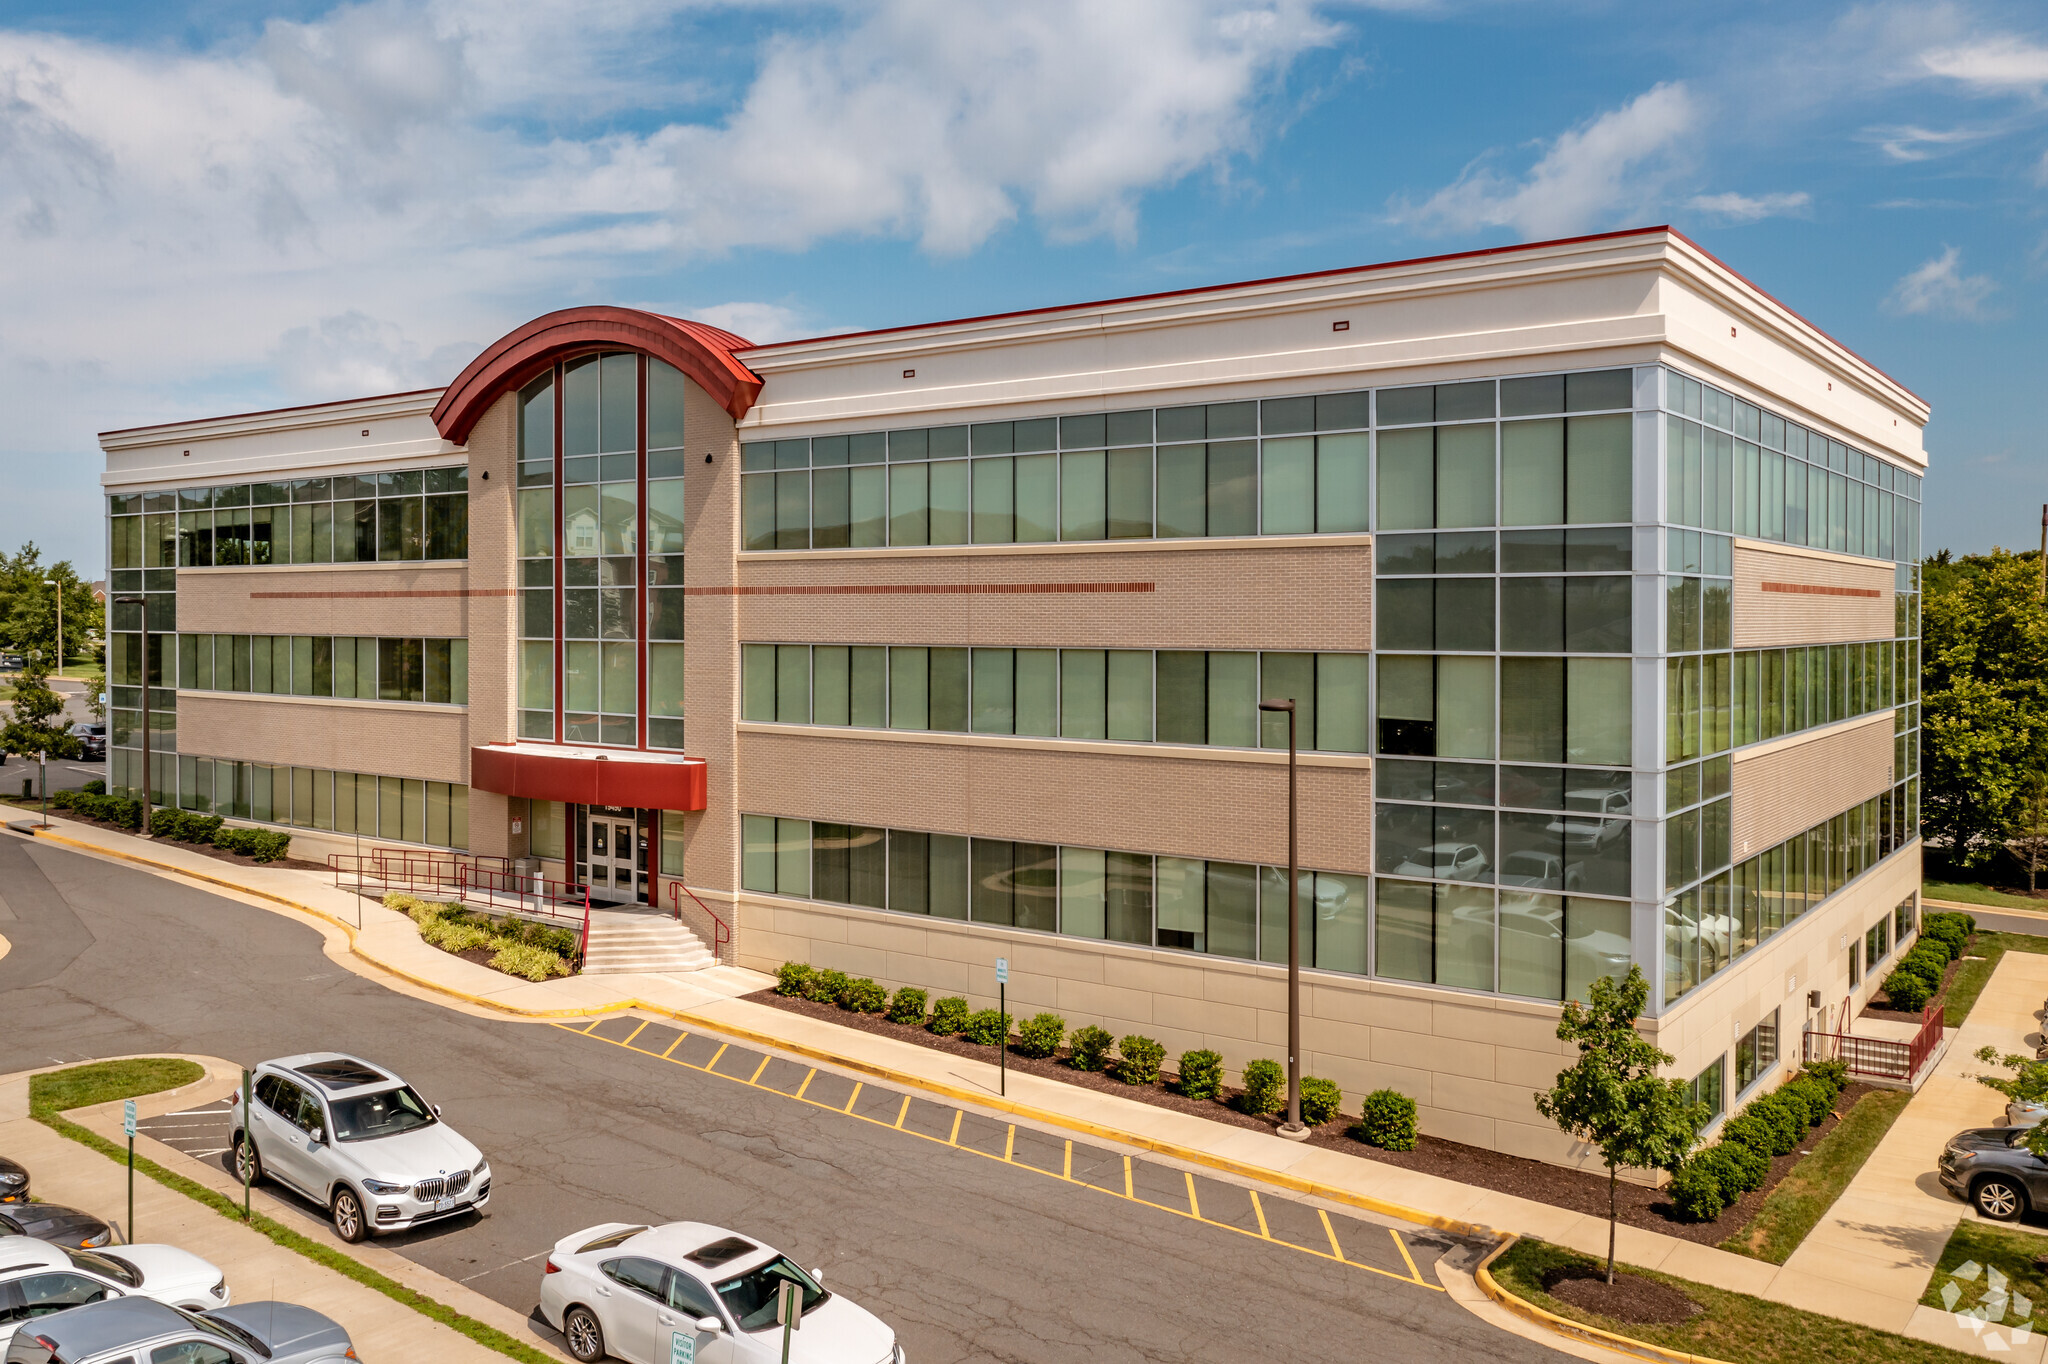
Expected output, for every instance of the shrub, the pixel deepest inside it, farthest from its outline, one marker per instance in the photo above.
(1387, 1121)
(864, 996)
(1319, 1100)
(563, 942)
(62, 800)
(1906, 990)
(264, 845)
(95, 787)
(825, 987)
(1787, 1124)
(399, 900)
(1041, 1034)
(1834, 1074)
(907, 1006)
(1812, 1095)
(1090, 1048)
(534, 963)
(452, 935)
(1137, 1060)
(987, 1028)
(1946, 929)
(167, 822)
(1201, 1074)
(1751, 1130)
(1696, 1190)
(1740, 1168)
(791, 977)
(949, 1016)
(1928, 960)
(1265, 1087)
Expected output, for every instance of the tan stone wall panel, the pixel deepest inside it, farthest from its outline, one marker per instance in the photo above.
(1186, 807)
(1282, 594)
(1790, 787)
(395, 741)
(1770, 617)
(494, 620)
(223, 601)
(711, 659)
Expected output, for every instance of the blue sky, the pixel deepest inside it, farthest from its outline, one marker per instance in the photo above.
(218, 206)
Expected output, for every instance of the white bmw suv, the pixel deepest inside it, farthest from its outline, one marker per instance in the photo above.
(358, 1141)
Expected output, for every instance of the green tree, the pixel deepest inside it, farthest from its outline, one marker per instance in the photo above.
(1984, 698)
(1612, 1097)
(28, 606)
(35, 724)
(2028, 1082)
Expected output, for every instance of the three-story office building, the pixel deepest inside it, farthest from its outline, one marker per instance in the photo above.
(1590, 567)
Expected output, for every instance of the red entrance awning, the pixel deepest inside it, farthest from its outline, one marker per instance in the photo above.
(590, 776)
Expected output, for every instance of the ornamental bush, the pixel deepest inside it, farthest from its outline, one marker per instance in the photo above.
(1739, 1168)
(1319, 1100)
(1832, 1073)
(1787, 1124)
(824, 987)
(1090, 1048)
(1906, 990)
(61, 800)
(1696, 1189)
(987, 1028)
(907, 1006)
(264, 845)
(1041, 1034)
(1812, 1095)
(1200, 1074)
(1387, 1120)
(95, 787)
(1751, 1130)
(534, 963)
(864, 996)
(790, 978)
(1265, 1087)
(949, 1016)
(1137, 1060)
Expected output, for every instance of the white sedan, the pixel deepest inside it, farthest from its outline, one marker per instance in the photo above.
(37, 1279)
(685, 1290)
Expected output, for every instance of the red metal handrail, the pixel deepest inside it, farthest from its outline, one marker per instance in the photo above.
(1881, 1058)
(721, 931)
(497, 887)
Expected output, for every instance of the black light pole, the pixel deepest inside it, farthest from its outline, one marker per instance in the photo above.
(142, 602)
(1292, 1129)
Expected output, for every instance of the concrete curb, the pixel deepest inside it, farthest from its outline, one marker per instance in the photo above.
(1276, 1178)
(1566, 1327)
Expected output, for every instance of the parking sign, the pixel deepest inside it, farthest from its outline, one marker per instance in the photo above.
(682, 1349)
(1002, 970)
(128, 1117)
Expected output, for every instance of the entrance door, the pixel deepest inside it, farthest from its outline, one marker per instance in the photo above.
(614, 853)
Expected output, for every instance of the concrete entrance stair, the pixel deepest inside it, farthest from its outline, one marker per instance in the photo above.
(647, 941)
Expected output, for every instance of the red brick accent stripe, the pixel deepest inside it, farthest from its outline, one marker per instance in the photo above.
(1818, 590)
(914, 589)
(363, 596)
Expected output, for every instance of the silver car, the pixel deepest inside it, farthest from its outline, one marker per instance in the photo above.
(358, 1141)
(120, 1330)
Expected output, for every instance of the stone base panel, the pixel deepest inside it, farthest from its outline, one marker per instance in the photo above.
(1215, 803)
(1281, 594)
(387, 738)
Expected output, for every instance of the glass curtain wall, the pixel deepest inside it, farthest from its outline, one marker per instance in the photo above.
(395, 809)
(601, 533)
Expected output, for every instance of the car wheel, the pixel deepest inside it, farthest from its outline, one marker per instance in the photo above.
(347, 1212)
(584, 1336)
(248, 1165)
(1999, 1199)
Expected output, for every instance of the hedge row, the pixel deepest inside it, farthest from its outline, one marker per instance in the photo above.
(1389, 1120)
(520, 946)
(182, 826)
(1771, 1125)
(1918, 974)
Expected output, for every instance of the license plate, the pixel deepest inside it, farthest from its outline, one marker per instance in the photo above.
(444, 1204)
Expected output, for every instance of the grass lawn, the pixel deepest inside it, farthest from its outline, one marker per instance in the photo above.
(1733, 1326)
(1972, 976)
(2012, 1253)
(105, 1081)
(1970, 893)
(1817, 1181)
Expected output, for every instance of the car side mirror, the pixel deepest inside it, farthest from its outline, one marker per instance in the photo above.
(709, 1324)
(818, 1274)
(317, 1135)
(436, 1108)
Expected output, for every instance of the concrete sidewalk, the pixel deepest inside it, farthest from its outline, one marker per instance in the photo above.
(257, 1269)
(1842, 1271)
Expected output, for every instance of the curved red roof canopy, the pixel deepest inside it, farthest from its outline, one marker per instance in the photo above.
(586, 777)
(702, 352)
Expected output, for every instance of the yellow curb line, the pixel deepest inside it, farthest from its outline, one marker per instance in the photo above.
(1241, 1169)
(1565, 1326)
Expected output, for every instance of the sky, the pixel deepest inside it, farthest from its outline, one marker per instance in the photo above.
(212, 206)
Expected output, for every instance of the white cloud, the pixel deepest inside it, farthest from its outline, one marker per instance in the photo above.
(1910, 142)
(354, 354)
(761, 323)
(1995, 64)
(1939, 288)
(1749, 208)
(1611, 168)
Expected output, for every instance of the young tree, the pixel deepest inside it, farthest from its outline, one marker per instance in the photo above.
(1612, 1097)
(2028, 1082)
(36, 724)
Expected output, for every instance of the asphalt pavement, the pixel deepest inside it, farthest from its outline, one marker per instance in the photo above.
(2010, 920)
(979, 1239)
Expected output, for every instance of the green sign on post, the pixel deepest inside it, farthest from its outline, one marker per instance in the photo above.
(682, 1348)
(128, 1125)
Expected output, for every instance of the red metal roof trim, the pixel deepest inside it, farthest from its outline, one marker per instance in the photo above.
(588, 780)
(702, 352)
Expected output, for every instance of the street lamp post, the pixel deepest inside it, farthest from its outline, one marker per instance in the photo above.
(143, 602)
(1292, 1129)
(58, 583)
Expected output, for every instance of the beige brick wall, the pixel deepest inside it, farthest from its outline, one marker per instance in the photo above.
(222, 600)
(1777, 619)
(1176, 801)
(1274, 594)
(711, 655)
(1791, 785)
(493, 621)
(387, 738)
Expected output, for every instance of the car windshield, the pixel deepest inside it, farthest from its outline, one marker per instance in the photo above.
(386, 1113)
(751, 1297)
(107, 1266)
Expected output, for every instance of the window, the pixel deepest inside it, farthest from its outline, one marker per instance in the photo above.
(346, 518)
(640, 1275)
(1756, 1053)
(1707, 1085)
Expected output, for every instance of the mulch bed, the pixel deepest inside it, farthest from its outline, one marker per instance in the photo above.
(1639, 1302)
(1636, 1205)
(204, 849)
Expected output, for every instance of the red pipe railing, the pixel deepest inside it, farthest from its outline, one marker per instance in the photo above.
(497, 886)
(1881, 1058)
(720, 935)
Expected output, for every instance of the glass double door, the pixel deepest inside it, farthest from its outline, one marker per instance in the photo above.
(613, 847)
